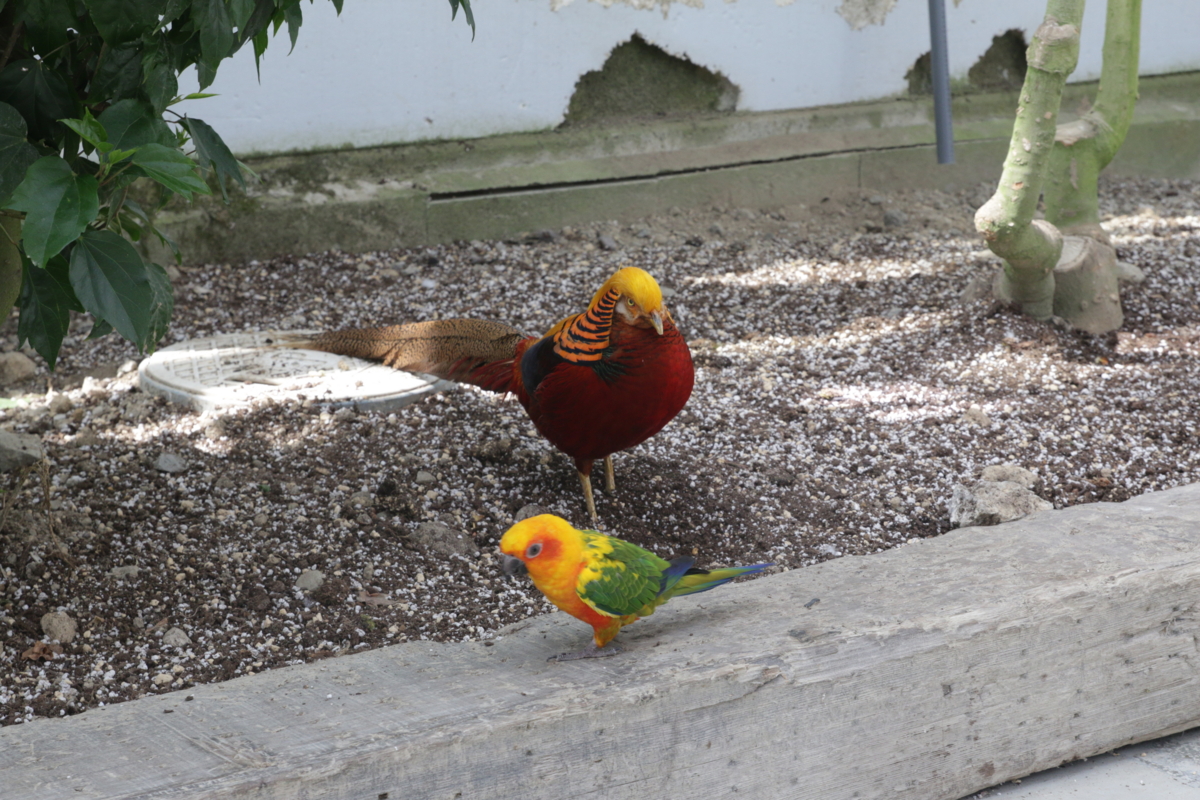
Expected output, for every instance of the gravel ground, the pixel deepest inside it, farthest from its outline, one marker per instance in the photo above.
(837, 364)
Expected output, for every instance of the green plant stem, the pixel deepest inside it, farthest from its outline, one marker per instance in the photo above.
(10, 264)
(1085, 147)
(1030, 248)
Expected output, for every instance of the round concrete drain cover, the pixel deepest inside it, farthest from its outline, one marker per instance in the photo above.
(238, 369)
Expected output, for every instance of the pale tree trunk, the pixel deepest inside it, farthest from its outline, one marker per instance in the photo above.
(1077, 281)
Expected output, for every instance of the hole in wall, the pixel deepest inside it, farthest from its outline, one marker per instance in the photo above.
(640, 80)
(1000, 68)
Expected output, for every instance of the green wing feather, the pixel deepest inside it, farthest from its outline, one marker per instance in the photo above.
(623, 578)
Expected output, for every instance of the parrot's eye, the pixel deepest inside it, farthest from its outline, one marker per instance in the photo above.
(534, 550)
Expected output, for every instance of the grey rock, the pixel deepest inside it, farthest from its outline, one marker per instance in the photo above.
(531, 510)
(1010, 472)
(169, 462)
(60, 403)
(361, 500)
(1130, 273)
(993, 502)
(976, 416)
(310, 580)
(607, 242)
(424, 477)
(124, 573)
(15, 367)
(444, 540)
(19, 450)
(176, 638)
(894, 218)
(58, 626)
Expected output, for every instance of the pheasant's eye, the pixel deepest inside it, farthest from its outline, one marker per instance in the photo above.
(534, 550)
(632, 305)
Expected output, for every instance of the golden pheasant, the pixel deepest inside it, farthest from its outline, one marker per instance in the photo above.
(597, 382)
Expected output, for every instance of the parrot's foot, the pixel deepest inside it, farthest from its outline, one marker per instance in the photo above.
(591, 651)
(610, 480)
(586, 482)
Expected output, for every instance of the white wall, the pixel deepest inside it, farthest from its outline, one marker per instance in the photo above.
(389, 71)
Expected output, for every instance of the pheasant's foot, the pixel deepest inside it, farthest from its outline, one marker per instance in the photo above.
(586, 482)
(591, 651)
(610, 480)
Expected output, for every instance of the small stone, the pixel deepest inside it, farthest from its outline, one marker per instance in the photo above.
(1130, 273)
(607, 242)
(976, 416)
(875, 200)
(86, 437)
(60, 403)
(780, 477)
(124, 573)
(58, 626)
(15, 367)
(176, 638)
(162, 678)
(19, 450)
(424, 477)
(993, 502)
(530, 510)
(310, 580)
(1010, 472)
(214, 430)
(894, 218)
(444, 540)
(127, 367)
(169, 462)
(361, 500)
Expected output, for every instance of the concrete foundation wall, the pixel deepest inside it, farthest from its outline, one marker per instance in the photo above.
(373, 199)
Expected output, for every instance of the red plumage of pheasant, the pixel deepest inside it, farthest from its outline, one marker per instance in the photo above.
(596, 383)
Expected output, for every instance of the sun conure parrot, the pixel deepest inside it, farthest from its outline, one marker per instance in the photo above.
(604, 581)
(597, 382)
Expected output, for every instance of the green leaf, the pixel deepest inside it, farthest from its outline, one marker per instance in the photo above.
(171, 168)
(133, 123)
(119, 74)
(163, 305)
(16, 154)
(466, 7)
(216, 34)
(123, 20)
(212, 151)
(41, 96)
(113, 283)
(294, 17)
(45, 305)
(100, 327)
(159, 84)
(239, 12)
(337, 6)
(58, 205)
(48, 24)
(199, 95)
(88, 129)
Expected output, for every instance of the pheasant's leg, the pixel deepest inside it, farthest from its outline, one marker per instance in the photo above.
(586, 481)
(610, 480)
(591, 651)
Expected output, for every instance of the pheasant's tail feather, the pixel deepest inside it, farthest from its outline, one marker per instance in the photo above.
(701, 580)
(465, 350)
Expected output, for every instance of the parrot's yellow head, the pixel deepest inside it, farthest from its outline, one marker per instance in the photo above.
(641, 302)
(540, 546)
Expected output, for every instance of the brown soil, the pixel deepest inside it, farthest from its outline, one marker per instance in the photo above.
(835, 362)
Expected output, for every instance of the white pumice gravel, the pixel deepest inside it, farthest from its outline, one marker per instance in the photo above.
(842, 392)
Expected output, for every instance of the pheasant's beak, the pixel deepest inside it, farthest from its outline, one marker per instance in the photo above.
(656, 319)
(512, 566)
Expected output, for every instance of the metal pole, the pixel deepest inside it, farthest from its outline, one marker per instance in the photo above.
(939, 62)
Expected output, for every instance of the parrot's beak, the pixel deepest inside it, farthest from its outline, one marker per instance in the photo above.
(513, 567)
(656, 319)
